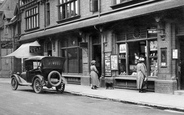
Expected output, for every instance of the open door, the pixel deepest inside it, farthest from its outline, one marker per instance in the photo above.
(96, 52)
(181, 64)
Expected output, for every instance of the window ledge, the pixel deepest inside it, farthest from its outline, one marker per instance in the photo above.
(32, 29)
(68, 19)
(131, 3)
(132, 77)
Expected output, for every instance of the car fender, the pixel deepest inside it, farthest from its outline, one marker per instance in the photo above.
(63, 80)
(40, 77)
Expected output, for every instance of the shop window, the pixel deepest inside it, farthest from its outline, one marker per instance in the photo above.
(134, 50)
(122, 58)
(73, 54)
(153, 54)
(31, 18)
(68, 9)
(93, 5)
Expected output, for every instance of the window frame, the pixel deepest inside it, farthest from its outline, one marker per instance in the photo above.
(66, 49)
(147, 39)
(94, 5)
(32, 15)
(47, 13)
(68, 16)
(129, 3)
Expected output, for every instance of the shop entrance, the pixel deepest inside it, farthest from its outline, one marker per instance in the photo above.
(181, 64)
(96, 52)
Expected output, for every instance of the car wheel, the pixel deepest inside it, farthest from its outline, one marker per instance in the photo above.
(60, 88)
(14, 83)
(37, 85)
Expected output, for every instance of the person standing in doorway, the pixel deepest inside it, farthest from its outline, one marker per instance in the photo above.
(141, 74)
(94, 75)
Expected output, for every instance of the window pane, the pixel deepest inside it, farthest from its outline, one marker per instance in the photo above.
(63, 54)
(73, 55)
(122, 59)
(31, 18)
(72, 60)
(76, 7)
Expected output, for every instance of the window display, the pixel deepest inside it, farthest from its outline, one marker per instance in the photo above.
(128, 56)
(153, 58)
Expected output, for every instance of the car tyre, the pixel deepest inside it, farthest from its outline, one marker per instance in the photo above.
(50, 76)
(14, 83)
(37, 85)
(60, 88)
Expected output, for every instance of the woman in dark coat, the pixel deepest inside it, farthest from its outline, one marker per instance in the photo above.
(141, 74)
(94, 75)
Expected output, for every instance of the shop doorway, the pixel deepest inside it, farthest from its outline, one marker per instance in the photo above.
(96, 52)
(181, 64)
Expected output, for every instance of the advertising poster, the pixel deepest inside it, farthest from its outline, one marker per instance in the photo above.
(114, 62)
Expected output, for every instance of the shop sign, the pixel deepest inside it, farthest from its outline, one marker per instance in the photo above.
(35, 49)
(6, 44)
(122, 48)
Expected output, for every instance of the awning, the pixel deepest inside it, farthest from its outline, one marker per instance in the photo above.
(23, 51)
(108, 17)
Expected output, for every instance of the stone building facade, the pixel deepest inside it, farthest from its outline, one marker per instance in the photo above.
(113, 32)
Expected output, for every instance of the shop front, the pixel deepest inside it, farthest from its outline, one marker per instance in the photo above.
(135, 38)
(151, 37)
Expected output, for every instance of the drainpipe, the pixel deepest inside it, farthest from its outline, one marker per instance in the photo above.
(102, 56)
(99, 8)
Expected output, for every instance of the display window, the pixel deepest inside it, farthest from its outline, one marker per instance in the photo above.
(71, 51)
(129, 52)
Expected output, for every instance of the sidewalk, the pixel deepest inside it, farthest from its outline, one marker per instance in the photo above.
(164, 101)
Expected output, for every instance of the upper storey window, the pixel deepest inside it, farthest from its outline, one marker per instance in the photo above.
(127, 3)
(68, 9)
(31, 18)
(94, 5)
(23, 2)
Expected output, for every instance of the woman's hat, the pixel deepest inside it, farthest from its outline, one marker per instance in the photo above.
(93, 62)
(141, 59)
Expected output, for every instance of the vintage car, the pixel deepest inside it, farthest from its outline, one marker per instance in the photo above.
(41, 71)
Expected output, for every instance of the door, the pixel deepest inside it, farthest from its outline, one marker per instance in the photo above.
(96, 52)
(181, 64)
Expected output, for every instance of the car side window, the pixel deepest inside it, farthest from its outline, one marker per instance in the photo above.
(36, 65)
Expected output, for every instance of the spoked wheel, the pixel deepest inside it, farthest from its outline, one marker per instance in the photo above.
(14, 83)
(37, 86)
(60, 88)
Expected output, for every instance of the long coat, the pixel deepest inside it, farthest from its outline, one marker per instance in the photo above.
(94, 76)
(141, 74)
